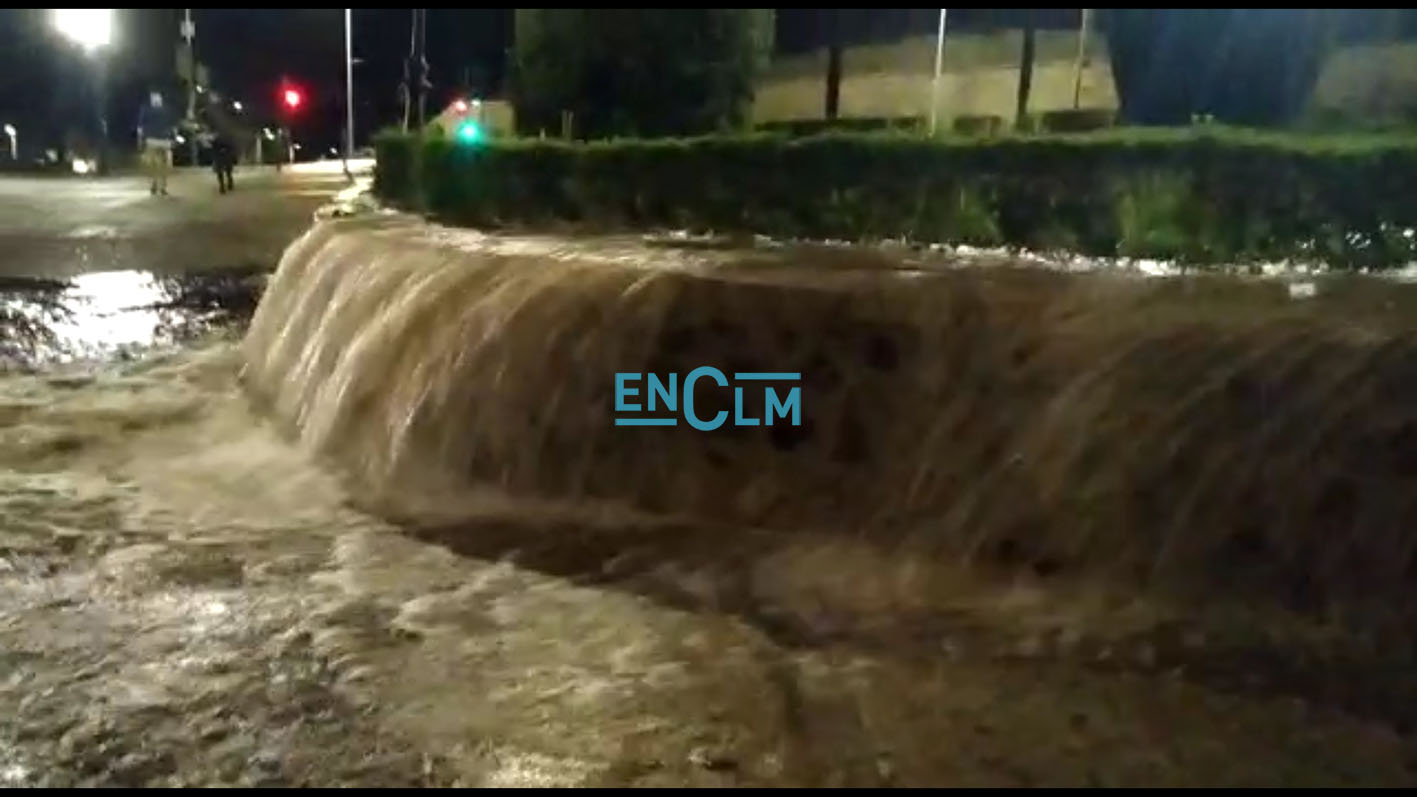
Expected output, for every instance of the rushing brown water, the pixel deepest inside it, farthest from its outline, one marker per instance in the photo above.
(1200, 432)
(188, 597)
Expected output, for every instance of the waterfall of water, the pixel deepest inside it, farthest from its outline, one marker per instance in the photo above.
(1013, 414)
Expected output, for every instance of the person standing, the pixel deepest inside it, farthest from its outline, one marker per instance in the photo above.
(156, 130)
(224, 161)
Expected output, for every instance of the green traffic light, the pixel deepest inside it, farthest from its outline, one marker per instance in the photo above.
(470, 132)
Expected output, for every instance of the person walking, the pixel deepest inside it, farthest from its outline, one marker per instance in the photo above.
(224, 161)
(156, 130)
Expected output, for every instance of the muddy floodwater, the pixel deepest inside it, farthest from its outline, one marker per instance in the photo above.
(186, 598)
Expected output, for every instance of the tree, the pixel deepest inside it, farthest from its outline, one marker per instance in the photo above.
(835, 47)
(1242, 66)
(1025, 68)
(637, 72)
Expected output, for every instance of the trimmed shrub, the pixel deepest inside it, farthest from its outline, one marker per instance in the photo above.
(396, 168)
(1218, 195)
(862, 124)
(1076, 120)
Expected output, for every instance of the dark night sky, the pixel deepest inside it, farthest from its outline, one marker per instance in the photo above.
(46, 84)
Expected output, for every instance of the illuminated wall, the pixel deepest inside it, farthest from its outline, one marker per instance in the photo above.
(980, 78)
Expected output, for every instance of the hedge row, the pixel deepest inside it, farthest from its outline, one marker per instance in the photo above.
(1201, 197)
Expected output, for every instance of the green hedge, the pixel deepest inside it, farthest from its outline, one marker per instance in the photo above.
(858, 124)
(1219, 195)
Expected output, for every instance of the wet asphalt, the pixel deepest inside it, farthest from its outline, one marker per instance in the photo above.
(98, 268)
(60, 227)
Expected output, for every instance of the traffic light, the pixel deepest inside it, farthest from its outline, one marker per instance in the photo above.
(470, 132)
(292, 98)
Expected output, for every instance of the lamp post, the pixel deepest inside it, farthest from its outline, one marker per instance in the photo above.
(92, 30)
(188, 31)
(14, 141)
(348, 91)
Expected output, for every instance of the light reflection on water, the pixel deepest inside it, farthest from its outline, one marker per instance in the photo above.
(107, 315)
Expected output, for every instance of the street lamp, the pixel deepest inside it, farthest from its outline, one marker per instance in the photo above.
(236, 106)
(14, 141)
(348, 90)
(91, 29)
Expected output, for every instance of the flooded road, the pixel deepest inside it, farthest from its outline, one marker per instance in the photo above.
(186, 598)
(99, 317)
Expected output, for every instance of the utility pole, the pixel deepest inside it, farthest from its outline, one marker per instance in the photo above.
(189, 34)
(939, 68)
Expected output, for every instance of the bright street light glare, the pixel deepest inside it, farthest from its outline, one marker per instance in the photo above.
(9, 130)
(90, 28)
(236, 106)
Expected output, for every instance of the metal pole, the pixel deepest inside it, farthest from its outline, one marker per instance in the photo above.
(1082, 56)
(189, 32)
(406, 87)
(422, 66)
(102, 92)
(348, 89)
(939, 67)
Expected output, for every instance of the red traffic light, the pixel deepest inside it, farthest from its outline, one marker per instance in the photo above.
(292, 98)
(460, 106)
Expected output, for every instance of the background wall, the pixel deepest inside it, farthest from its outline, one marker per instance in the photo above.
(980, 78)
(1368, 82)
